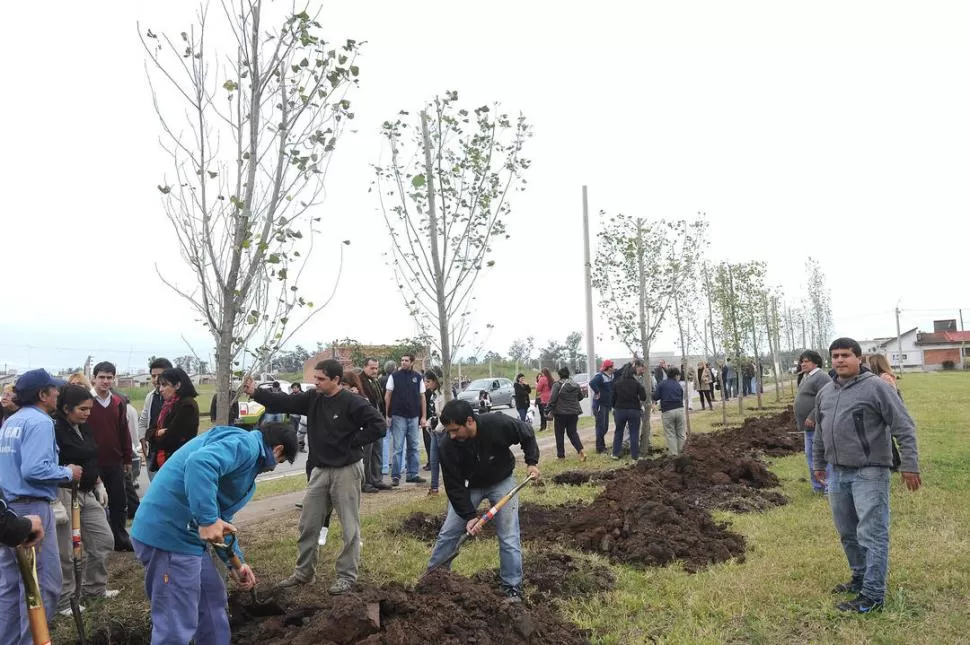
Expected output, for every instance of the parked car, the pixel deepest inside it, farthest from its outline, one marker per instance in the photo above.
(500, 391)
(582, 380)
(251, 413)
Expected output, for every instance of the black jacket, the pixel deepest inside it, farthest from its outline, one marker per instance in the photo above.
(522, 392)
(484, 460)
(373, 392)
(338, 426)
(628, 393)
(80, 449)
(14, 529)
(181, 426)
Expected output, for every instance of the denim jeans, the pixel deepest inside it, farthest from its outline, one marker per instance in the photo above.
(523, 413)
(506, 527)
(816, 484)
(405, 437)
(602, 426)
(627, 419)
(859, 498)
(386, 454)
(271, 418)
(433, 460)
(14, 629)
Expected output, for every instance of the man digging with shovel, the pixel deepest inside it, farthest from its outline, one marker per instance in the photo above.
(477, 464)
(189, 506)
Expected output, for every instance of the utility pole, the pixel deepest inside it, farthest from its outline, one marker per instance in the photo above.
(963, 343)
(590, 353)
(899, 341)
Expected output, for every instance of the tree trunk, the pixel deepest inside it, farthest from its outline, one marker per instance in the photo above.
(683, 363)
(645, 431)
(757, 358)
(773, 342)
(439, 277)
(737, 341)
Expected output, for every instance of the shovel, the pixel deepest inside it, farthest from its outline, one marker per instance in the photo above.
(76, 560)
(36, 616)
(482, 521)
(259, 608)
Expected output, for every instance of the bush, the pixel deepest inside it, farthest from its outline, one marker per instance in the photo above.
(949, 365)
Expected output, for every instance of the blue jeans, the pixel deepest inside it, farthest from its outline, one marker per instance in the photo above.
(386, 448)
(602, 426)
(271, 418)
(14, 629)
(627, 419)
(405, 434)
(506, 526)
(816, 484)
(187, 596)
(523, 413)
(859, 498)
(433, 459)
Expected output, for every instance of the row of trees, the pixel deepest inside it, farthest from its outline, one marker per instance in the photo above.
(654, 273)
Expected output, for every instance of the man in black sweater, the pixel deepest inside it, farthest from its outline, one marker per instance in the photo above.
(339, 424)
(477, 464)
(16, 530)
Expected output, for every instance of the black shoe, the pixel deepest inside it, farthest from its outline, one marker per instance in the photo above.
(513, 596)
(367, 488)
(417, 479)
(860, 605)
(427, 467)
(852, 586)
(395, 482)
(382, 486)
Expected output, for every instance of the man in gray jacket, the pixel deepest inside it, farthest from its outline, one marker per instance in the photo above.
(857, 415)
(813, 379)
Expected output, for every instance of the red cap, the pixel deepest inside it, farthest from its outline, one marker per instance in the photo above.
(607, 364)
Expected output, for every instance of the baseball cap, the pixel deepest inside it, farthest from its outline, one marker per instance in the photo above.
(34, 380)
(607, 364)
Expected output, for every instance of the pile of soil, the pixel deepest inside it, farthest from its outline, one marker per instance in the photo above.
(557, 574)
(444, 608)
(659, 510)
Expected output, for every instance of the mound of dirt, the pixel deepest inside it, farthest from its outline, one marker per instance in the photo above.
(443, 608)
(557, 574)
(658, 510)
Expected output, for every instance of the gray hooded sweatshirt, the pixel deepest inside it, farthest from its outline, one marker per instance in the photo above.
(854, 421)
(805, 399)
(565, 397)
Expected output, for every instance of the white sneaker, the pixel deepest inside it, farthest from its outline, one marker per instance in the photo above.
(322, 540)
(111, 593)
(67, 613)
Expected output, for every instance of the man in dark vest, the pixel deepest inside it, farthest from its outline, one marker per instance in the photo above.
(406, 411)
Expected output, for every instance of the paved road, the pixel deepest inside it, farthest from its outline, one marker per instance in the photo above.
(299, 466)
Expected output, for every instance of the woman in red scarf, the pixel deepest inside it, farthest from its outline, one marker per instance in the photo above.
(178, 421)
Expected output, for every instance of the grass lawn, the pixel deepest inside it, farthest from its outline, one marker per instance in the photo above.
(779, 594)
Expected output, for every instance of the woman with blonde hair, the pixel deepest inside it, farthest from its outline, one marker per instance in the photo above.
(78, 378)
(881, 368)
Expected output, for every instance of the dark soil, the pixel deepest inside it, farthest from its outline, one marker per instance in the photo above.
(557, 574)
(443, 608)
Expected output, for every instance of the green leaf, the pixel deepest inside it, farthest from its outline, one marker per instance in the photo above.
(231, 86)
(418, 181)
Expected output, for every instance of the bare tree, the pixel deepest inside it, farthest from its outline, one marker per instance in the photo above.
(521, 350)
(637, 278)
(820, 300)
(250, 134)
(444, 196)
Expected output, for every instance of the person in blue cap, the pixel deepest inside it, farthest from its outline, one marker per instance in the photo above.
(189, 506)
(29, 478)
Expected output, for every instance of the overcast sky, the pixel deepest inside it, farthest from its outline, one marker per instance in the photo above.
(836, 129)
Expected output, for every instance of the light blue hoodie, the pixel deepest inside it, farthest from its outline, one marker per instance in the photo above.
(209, 478)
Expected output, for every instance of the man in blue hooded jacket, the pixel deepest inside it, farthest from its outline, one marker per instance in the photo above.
(189, 506)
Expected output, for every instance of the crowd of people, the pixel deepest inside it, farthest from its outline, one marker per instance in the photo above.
(70, 444)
